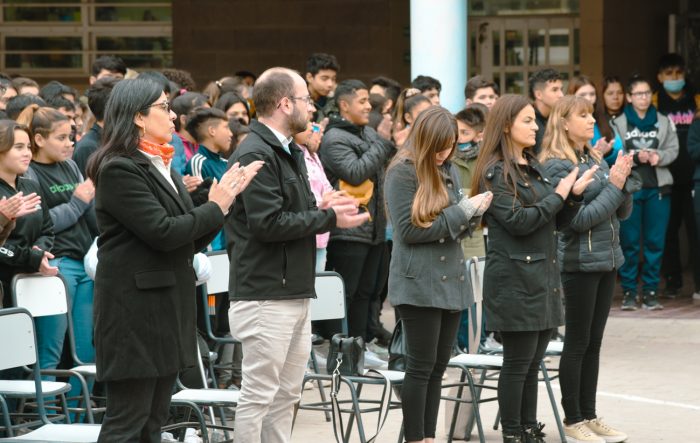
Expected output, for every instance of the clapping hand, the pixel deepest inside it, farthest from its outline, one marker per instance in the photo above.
(603, 145)
(481, 202)
(20, 205)
(191, 182)
(620, 170)
(566, 183)
(583, 181)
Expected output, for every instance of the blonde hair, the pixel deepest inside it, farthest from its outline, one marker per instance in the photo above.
(39, 120)
(556, 142)
(434, 130)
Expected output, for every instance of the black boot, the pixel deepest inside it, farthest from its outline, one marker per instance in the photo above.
(533, 433)
(513, 438)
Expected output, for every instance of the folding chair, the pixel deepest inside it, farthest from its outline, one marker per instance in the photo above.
(330, 305)
(22, 351)
(217, 284)
(196, 399)
(485, 362)
(47, 295)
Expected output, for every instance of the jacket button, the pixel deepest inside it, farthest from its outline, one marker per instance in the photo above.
(444, 277)
(442, 240)
(449, 185)
(554, 261)
(462, 227)
(461, 278)
(461, 261)
(528, 258)
(442, 258)
(556, 290)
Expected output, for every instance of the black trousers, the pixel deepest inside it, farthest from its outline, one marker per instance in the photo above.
(588, 298)
(517, 384)
(430, 334)
(136, 409)
(681, 212)
(359, 265)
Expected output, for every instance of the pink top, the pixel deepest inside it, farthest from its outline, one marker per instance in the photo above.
(319, 185)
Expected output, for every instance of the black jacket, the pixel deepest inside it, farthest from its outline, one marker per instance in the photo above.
(541, 126)
(590, 240)
(271, 230)
(144, 307)
(522, 286)
(17, 254)
(354, 154)
(694, 147)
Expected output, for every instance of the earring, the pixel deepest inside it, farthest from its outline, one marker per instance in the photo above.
(566, 129)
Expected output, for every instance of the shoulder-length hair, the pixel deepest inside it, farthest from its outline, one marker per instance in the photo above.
(556, 142)
(435, 130)
(497, 145)
(121, 136)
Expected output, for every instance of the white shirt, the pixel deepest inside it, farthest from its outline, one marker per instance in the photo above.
(285, 141)
(157, 161)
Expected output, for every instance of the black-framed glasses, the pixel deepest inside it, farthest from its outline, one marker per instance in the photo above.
(165, 106)
(641, 94)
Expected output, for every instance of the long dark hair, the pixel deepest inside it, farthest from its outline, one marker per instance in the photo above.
(120, 136)
(497, 145)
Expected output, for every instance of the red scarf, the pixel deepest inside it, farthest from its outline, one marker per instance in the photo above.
(164, 151)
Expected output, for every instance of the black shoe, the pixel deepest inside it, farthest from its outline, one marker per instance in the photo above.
(650, 301)
(533, 433)
(317, 339)
(672, 292)
(511, 438)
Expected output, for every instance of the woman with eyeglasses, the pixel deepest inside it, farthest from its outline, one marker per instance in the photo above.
(69, 199)
(652, 139)
(145, 285)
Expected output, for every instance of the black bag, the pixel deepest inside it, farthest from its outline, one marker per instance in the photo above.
(397, 349)
(349, 352)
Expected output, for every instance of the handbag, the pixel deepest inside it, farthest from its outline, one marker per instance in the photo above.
(397, 349)
(347, 354)
(346, 357)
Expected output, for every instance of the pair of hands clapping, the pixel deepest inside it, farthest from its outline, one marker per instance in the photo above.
(346, 208)
(618, 175)
(19, 205)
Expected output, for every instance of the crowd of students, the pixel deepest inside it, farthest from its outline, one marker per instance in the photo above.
(613, 173)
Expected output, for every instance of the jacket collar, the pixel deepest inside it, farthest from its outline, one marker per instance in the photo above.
(142, 160)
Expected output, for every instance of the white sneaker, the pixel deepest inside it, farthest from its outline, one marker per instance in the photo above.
(610, 435)
(696, 296)
(491, 344)
(580, 433)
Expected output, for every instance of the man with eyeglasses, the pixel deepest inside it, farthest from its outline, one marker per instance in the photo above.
(271, 240)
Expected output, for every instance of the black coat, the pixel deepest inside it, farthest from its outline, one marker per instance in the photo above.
(522, 286)
(144, 308)
(271, 231)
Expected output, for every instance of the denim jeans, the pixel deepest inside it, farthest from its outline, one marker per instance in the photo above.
(647, 223)
(51, 330)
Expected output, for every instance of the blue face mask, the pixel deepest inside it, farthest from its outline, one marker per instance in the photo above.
(674, 86)
(461, 147)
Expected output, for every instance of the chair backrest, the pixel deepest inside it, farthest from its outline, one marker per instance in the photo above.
(475, 268)
(41, 295)
(330, 293)
(18, 348)
(220, 268)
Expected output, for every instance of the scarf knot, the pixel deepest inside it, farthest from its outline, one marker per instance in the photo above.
(164, 151)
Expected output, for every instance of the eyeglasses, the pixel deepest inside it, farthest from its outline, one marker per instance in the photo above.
(165, 106)
(641, 94)
(307, 99)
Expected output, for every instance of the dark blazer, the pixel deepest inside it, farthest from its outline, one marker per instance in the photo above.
(522, 286)
(144, 308)
(427, 265)
(271, 231)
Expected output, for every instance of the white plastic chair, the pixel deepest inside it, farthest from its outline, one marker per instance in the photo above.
(47, 295)
(22, 351)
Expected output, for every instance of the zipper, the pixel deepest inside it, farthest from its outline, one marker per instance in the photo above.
(284, 267)
(590, 243)
(612, 246)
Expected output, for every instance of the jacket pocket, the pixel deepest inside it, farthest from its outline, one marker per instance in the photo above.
(407, 268)
(154, 279)
(527, 257)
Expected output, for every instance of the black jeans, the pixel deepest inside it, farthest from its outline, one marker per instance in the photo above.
(681, 212)
(588, 298)
(517, 384)
(136, 410)
(430, 334)
(358, 264)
